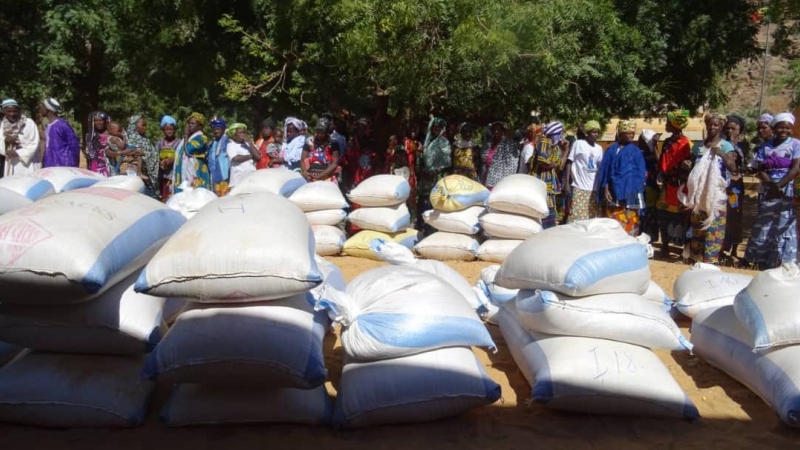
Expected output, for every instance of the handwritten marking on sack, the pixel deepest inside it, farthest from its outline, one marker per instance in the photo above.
(19, 236)
(232, 208)
(606, 361)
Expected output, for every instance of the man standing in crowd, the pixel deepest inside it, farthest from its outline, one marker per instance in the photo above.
(20, 141)
(62, 146)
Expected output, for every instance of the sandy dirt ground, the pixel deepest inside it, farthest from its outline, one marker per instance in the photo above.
(732, 416)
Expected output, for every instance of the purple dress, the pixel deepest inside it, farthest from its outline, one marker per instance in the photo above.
(63, 146)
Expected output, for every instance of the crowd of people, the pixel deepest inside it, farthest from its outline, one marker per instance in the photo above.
(634, 181)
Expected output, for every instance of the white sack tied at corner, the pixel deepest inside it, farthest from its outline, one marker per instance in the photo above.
(71, 247)
(397, 311)
(585, 258)
(721, 340)
(705, 286)
(617, 317)
(28, 186)
(281, 182)
(381, 191)
(268, 253)
(399, 255)
(65, 179)
(190, 200)
(118, 322)
(769, 308)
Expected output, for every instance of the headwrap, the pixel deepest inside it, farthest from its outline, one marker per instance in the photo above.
(234, 128)
(738, 121)
(101, 115)
(535, 128)
(168, 120)
(765, 118)
(294, 121)
(782, 117)
(268, 122)
(9, 102)
(716, 116)
(626, 126)
(52, 105)
(678, 118)
(199, 118)
(591, 125)
(323, 123)
(217, 122)
(553, 131)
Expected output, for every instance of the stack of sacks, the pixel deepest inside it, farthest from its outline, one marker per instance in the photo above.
(398, 255)
(29, 187)
(406, 336)
(382, 209)
(277, 181)
(516, 206)
(126, 182)
(323, 199)
(705, 286)
(190, 200)
(757, 339)
(67, 268)
(65, 179)
(580, 328)
(457, 203)
(249, 333)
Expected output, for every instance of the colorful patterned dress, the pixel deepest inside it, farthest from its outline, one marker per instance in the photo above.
(191, 163)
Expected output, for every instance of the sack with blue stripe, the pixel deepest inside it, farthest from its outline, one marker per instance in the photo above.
(721, 340)
(30, 187)
(398, 311)
(769, 308)
(617, 317)
(272, 344)
(417, 388)
(584, 258)
(65, 179)
(118, 322)
(237, 249)
(457, 193)
(492, 296)
(594, 376)
(72, 247)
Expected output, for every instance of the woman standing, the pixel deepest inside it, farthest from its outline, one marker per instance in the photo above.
(734, 129)
(648, 142)
(141, 148)
(165, 148)
(499, 156)
(191, 157)
(295, 143)
(583, 161)
(774, 238)
(97, 144)
(321, 157)
(466, 153)
(674, 166)
(621, 179)
(706, 243)
(546, 163)
(242, 153)
(434, 164)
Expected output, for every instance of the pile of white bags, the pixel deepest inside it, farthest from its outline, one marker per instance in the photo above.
(383, 209)
(458, 203)
(276, 181)
(29, 187)
(516, 206)
(249, 331)
(67, 295)
(406, 336)
(324, 205)
(585, 296)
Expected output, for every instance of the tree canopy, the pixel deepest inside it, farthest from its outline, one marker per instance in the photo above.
(389, 59)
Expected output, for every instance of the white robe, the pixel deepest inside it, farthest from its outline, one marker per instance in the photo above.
(29, 157)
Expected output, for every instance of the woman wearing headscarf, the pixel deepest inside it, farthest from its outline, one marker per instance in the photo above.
(191, 156)
(774, 237)
(242, 153)
(764, 127)
(674, 166)
(295, 142)
(20, 141)
(435, 163)
(97, 144)
(545, 164)
(583, 161)
(466, 153)
(218, 164)
(734, 130)
(707, 233)
(321, 157)
(139, 150)
(63, 148)
(648, 142)
(165, 148)
(266, 137)
(499, 156)
(621, 179)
